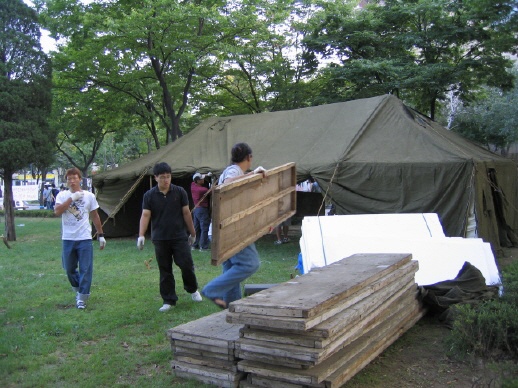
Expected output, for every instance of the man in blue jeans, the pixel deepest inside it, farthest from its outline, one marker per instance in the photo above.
(76, 208)
(201, 214)
(226, 288)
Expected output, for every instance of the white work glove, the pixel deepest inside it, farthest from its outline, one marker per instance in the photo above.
(191, 239)
(259, 170)
(209, 173)
(140, 243)
(77, 195)
(102, 242)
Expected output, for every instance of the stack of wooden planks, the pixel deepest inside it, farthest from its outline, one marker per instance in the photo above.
(320, 329)
(204, 350)
(317, 330)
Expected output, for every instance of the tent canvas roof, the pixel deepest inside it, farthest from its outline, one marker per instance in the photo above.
(375, 155)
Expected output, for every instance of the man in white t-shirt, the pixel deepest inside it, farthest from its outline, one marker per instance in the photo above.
(76, 208)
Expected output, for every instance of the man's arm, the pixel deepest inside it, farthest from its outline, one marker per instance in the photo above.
(94, 216)
(144, 222)
(188, 220)
(60, 208)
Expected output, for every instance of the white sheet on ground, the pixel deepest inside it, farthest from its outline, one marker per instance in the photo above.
(326, 240)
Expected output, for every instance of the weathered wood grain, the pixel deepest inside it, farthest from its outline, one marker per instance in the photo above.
(246, 209)
(308, 300)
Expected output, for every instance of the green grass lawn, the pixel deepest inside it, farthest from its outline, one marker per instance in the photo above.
(120, 339)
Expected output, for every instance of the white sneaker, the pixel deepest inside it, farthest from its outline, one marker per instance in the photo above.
(196, 296)
(80, 304)
(165, 307)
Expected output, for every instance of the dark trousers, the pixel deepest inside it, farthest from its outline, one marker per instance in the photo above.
(179, 252)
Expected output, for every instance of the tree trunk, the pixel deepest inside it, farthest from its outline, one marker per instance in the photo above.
(10, 232)
(432, 108)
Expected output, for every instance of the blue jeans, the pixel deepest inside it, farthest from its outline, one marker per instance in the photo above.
(227, 286)
(78, 261)
(201, 225)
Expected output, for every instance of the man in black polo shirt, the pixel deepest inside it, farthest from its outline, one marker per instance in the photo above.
(167, 207)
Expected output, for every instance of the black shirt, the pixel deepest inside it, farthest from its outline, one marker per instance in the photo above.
(167, 221)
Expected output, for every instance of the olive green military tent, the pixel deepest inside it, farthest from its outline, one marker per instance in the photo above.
(371, 155)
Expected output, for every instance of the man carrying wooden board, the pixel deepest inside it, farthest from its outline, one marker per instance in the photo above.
(226, 288)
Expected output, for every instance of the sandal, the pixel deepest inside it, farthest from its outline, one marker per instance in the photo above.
(220, 303)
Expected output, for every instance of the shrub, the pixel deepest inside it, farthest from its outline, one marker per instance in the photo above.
(489, 329)
(42, 213)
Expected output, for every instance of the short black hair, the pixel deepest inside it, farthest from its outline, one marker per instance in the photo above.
(161, 168)
(239, 152)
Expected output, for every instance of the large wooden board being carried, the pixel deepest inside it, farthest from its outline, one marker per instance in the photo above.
(307, 300)
(246, 209)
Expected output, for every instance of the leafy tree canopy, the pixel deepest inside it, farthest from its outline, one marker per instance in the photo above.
(491, 121)
(417, 49)
(25, 98)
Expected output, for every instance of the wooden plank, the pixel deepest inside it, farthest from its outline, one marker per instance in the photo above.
(300, 324)
(207, 379)
(259, 381)
(246, 209)
(308, 295)
(373, 350)
(203, 341)
(384, 335)
(344, 322)
(321, 335)
(209, 332)
(305, 301)
(227, 365)
(189, 352)
(274, 353)
(201, 370)
(329, 328)
(204, 347)
(212, 330)
(287, 361)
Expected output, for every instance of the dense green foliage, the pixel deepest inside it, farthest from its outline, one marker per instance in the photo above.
(489, 329)
(154, 59)
(418, 50)
(492, 120)
(25, 98)
(157, 68)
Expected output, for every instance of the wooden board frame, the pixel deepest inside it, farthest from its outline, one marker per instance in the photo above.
(248, 208)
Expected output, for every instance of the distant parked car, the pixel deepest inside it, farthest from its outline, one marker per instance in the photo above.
(21, 205)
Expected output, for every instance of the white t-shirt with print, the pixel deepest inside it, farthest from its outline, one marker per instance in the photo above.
(75, 221)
